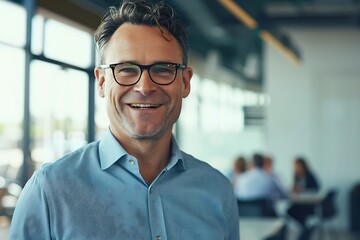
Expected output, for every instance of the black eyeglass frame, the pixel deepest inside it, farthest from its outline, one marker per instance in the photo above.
(142, 68)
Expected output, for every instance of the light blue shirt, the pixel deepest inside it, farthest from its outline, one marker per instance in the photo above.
(97, 192)
(257, 184)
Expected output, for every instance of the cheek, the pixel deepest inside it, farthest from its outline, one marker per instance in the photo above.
(177, 98)
(112, 95)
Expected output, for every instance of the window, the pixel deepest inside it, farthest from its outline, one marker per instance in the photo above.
(59, 110)
(14, 15)
(59, 98)
(67, 44)
(61, 42)
(101, 119)
(12, 60)
(189, 117)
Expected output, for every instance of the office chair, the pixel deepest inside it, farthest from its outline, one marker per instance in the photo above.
(328, 210)
(256, 208)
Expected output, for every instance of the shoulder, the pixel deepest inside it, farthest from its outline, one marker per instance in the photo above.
(71, 163)
(311, 179)
(208, 180)
(193, 163)
(203, 170)
(253, 173)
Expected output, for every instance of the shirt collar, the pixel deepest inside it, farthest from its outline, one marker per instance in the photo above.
(110, 151)
(176, 156)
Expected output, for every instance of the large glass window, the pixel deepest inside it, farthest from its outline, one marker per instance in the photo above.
(37, 36)
(59, 110)
(61, 42)
(12, 24)
(190, 117)
(209, 111)
(11, 110)
(101, 119)
(58, 95)
(12, 62)
(67, 44)
(212, 122)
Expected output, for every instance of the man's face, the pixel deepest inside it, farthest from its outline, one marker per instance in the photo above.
(160, 106)
(298, 168)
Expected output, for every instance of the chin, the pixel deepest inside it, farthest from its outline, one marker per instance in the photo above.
(143, 135)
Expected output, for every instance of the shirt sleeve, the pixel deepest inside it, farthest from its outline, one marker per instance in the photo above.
(31, 217)
(280, 189)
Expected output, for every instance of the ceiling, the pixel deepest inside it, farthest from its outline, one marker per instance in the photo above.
(213, 27)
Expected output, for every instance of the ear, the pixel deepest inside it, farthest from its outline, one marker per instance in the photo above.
(100, 78)
(187, 75)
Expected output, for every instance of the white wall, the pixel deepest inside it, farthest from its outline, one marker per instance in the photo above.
(220, 149)
(315, 108)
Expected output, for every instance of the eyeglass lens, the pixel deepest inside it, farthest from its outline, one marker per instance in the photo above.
(127, 73)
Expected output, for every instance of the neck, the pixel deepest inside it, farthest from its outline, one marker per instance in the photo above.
(152, 154)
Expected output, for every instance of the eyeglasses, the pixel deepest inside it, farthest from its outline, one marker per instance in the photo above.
(127, 74)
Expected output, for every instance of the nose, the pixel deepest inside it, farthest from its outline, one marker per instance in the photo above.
(145, 85)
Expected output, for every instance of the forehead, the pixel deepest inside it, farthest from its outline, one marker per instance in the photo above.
(142, 44)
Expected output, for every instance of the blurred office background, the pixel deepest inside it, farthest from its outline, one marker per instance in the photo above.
(279, 77)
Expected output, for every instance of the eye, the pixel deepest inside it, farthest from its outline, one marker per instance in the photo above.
(163, 69)
(126, 70)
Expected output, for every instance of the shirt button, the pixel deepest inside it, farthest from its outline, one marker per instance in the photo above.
(158, 237)
(132, 162)
(151, 190)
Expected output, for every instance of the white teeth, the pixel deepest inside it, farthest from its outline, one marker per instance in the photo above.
(136, 105)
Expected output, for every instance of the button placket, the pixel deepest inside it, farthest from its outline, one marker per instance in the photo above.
(156, 214)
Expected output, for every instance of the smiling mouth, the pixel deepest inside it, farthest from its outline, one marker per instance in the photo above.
(144, 106)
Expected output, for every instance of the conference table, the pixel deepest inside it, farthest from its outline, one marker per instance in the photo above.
(259, 228)
(307, 198)
(314, 199)
(311, 198)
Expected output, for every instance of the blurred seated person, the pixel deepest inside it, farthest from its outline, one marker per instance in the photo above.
(239, 167)
(304, 181)
(268, 164)
(268, 168)
(258, 184)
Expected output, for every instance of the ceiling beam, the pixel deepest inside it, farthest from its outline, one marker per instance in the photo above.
(205, 21)
(265, 35)
(239, 13)
(72, 11)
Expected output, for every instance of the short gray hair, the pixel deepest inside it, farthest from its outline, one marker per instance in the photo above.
(141, 12)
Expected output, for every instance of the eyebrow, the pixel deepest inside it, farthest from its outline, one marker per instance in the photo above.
(158, 61)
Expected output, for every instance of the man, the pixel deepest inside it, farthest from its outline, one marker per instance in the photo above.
(258, 184)
(135, 183)
(268, 168)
